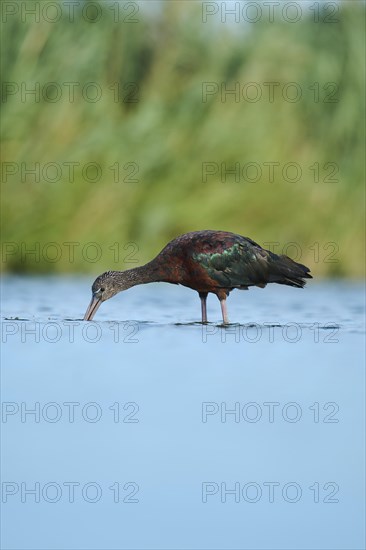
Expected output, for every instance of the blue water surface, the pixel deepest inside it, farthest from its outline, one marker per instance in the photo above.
(146, 430)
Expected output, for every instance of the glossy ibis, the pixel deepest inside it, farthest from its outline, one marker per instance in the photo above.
(206, 261)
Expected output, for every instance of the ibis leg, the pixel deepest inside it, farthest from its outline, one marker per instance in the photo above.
(225, 318)
(203, 297)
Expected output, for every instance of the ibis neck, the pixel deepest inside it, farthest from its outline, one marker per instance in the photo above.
(148, 273)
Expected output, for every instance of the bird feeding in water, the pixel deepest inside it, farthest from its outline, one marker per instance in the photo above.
(205, 261)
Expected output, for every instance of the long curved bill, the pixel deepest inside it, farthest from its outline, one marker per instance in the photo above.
(92, 308)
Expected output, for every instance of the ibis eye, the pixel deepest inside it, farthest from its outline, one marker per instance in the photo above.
(102, 289)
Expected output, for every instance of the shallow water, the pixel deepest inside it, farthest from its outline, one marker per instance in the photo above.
(149, 430)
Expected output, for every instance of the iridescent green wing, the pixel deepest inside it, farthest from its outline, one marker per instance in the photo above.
(242, 264)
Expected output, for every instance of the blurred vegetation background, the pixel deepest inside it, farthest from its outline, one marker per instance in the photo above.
(149, 144)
